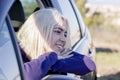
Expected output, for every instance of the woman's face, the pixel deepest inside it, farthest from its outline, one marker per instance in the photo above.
(59, 36)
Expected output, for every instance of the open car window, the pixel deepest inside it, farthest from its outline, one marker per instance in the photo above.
(65, 7)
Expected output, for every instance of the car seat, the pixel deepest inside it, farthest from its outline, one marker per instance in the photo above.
(17, 15)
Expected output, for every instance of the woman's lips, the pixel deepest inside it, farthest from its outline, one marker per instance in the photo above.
(59, 46)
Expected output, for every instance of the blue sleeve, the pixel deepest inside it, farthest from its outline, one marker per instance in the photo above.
(38, 68)
(77, 64)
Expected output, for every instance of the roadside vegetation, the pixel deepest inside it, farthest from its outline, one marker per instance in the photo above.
(107, 46)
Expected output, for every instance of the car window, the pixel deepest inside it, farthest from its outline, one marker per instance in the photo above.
(8, 62)
(80, 19)
(68, 12)
(29, 6)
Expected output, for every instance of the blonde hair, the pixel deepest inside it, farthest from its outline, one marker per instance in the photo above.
(35, 33)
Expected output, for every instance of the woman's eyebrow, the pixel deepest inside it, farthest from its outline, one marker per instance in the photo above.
(60, 29)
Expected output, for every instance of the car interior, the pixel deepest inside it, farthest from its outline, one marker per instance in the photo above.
(17, 15)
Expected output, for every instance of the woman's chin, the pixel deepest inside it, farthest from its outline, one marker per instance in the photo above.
(58, 50)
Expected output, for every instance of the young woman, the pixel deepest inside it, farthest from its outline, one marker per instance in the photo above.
(45, 46)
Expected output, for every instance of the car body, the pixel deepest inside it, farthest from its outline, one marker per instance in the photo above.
(12, 17)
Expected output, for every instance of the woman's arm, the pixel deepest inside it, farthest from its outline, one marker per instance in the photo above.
(38, 68)
(77, 64)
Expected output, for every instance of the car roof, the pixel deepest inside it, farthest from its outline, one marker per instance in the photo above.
(4, 8)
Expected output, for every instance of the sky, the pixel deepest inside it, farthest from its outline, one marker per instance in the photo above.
(105, 2)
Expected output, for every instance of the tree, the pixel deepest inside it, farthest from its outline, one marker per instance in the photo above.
(29, 7)
(81, 6)
(94, 20)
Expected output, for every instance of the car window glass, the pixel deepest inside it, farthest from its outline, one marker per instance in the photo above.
(29, 6)
(68, 12)
(8, 62)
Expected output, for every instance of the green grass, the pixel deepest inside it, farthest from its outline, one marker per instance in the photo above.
(108, 66)
(108, 58)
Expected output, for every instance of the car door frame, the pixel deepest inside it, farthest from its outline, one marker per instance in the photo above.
(16, 47)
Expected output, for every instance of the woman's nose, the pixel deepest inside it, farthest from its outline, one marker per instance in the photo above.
(63, 38)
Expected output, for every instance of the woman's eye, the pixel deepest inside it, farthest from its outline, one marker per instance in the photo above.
(58, 32)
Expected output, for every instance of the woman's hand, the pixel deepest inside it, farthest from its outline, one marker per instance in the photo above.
(65, 53)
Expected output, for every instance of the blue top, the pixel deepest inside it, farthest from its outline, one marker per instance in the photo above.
(38, 68)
